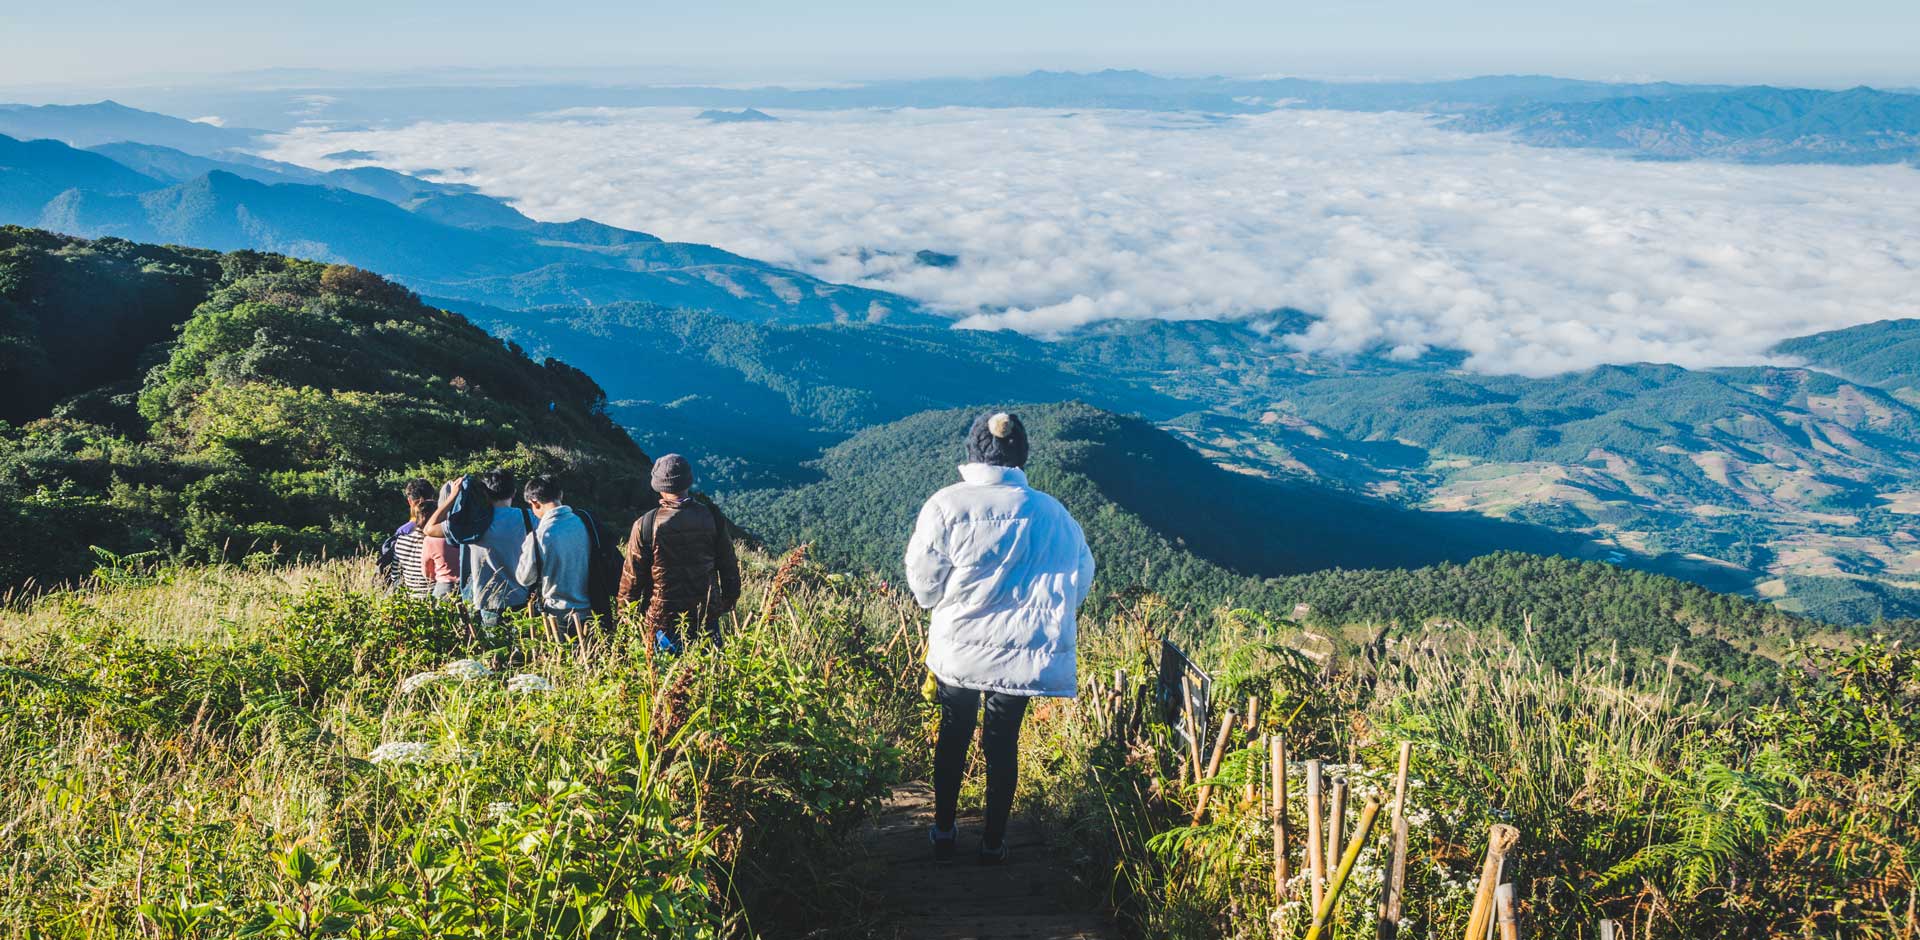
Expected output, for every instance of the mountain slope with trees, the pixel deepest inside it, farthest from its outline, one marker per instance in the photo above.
(1161, 519)
(282, 417)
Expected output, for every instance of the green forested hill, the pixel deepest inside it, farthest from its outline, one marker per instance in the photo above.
(754, 401)
(1161, 518)
(294, 399)
(1885, 353)
(1147, 500)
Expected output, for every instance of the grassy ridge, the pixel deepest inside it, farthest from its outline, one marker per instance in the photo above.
(222, 752)
(335, 761)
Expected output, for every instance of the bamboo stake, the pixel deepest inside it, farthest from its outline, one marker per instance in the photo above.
(1252, 796)
(1213, 764)
(1337, 818)
(1253, 713)
(1278, 750)
(1509, 923)
(1316, 844)
(1501, 839)
(1193, 727)
(1609, 929)
(1390, 902)
(1323, 912)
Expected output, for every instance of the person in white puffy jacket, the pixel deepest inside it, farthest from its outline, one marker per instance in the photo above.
(1004, 568)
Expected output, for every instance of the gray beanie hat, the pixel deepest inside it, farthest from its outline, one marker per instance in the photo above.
(672, 474)
(998, 438)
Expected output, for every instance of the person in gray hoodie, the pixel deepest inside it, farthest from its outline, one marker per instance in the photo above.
(556, 560)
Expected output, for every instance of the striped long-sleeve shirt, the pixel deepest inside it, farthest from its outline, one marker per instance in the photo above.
(406, 552)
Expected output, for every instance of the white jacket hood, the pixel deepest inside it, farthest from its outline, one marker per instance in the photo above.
(1004, 568)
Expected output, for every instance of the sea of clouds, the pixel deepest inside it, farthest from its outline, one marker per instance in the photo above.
(1399, 234)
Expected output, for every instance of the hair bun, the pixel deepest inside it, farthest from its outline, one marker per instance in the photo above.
(1001, 425)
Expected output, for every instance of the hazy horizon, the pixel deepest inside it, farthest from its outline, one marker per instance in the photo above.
(117, 44)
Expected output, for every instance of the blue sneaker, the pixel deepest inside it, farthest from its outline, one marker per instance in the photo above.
(946, 845)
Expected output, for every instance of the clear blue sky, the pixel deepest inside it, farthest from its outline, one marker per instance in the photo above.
(107, 42)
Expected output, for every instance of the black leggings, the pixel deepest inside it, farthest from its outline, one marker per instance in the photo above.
(999, 741)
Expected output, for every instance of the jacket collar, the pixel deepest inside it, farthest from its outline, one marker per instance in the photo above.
(986, 474)
(555, 516)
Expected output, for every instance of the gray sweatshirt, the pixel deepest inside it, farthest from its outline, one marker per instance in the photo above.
(555, 558)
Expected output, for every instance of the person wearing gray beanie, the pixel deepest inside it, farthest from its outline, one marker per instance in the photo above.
(1004, 568)
(672, 474)
(681, 571)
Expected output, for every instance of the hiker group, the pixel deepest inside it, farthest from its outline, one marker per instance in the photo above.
(1003, 567)
(468, 542)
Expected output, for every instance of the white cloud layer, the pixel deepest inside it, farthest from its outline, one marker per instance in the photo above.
(1400, 235)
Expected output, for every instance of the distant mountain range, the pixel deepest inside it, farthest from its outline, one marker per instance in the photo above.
(106, 122)
(444, 240)
(1751, 125)
(289, 106)
(1659, 120)
(748, 116)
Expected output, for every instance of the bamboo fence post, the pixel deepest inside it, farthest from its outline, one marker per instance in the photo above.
(1252, 797)
(1278, 749)
(1501, 839)
(1323, 912)
(1253, 725)
(1509, 923)
(1193, 728)
(1609, 929)
(1337, 819)
(1213, 764)
(1316, 837)
(1391, 900)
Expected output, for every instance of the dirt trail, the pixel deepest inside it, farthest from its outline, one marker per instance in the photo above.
(1028, 898)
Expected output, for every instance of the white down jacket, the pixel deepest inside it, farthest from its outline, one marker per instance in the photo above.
(1004, 569)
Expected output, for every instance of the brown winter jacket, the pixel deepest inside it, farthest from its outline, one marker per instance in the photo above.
(686, 573)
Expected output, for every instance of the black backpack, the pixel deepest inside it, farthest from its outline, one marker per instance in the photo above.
(387, 562)
(603, 568)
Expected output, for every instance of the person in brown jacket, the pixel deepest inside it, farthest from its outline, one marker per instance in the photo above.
(681, 571)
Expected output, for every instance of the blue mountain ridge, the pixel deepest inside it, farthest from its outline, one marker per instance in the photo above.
(439, 239)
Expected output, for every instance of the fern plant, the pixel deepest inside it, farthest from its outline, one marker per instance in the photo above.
(1720, 821)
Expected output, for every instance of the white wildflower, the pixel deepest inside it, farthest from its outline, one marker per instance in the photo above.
(467, 670)
(400, 752)
(500, 812)
(530, 843)
(418, 681)
(528, 682)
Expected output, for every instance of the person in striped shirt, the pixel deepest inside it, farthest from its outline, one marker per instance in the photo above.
(408, 547)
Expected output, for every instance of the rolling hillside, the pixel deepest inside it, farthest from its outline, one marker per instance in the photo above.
(281, 418)
(1787, 482)
(1885, 354)
(1162, 519)
(1152, 504)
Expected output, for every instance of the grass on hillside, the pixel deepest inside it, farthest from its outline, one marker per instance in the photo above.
(289, 752)
(1675, 816)
(216, 751)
